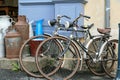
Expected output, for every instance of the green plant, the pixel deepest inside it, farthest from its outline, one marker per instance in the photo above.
(15, 67)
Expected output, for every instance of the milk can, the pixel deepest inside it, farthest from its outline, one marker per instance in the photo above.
(12, 44)
(22, 27)
(5, 22)
(2, 53)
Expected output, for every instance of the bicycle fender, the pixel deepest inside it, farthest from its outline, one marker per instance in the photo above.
(105, 43)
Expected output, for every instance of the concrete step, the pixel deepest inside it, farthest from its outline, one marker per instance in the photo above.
(29, 64)
(6, 63)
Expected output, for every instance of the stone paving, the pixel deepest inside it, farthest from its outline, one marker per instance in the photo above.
(7, 74)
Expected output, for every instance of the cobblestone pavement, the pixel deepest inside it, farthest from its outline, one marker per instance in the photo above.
(19, 75)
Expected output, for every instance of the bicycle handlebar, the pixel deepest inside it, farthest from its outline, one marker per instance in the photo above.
(68, 24)
(85, 16)
(65, 17)
(73, 24)
(59, 17)
(81, 15)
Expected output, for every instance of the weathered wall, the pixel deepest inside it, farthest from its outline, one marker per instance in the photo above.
(96, 9)
(115, 16)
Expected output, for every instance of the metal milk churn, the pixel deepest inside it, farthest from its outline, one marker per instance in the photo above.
(5, 22)
(2, 53)
(12, 43)
(22, 27)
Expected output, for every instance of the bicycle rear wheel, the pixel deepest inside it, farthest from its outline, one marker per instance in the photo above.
(110, 57)
(27, 61)
(94, 64)
(63, 66)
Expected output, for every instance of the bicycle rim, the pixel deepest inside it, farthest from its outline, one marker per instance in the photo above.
(27, 61)
(70, 57)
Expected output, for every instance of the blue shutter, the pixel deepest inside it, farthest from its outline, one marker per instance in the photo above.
(49, 9)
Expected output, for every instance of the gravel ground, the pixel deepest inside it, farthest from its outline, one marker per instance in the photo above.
(19, 75)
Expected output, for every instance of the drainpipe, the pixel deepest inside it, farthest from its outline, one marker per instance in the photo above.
(118, 69)
(107, 13)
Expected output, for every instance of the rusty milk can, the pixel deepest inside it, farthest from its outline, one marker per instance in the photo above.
(12, 43)
(22, 27)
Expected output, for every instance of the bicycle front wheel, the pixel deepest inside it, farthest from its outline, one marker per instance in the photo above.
(110, 57)
(27, 58)
(59, 57)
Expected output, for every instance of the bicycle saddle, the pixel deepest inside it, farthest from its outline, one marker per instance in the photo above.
(104, 31)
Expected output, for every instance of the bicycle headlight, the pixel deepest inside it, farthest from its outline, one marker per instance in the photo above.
(52, 22)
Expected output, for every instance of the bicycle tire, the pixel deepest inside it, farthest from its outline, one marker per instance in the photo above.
(94, 66)
(22, 56)
(61, 39)
(110, 58)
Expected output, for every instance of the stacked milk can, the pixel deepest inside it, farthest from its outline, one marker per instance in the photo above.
(12, 36)
(5, 22)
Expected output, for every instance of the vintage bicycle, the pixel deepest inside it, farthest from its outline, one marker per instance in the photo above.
(90, 56)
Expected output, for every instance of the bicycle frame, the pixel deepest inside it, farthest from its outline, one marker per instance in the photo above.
(98, 53)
